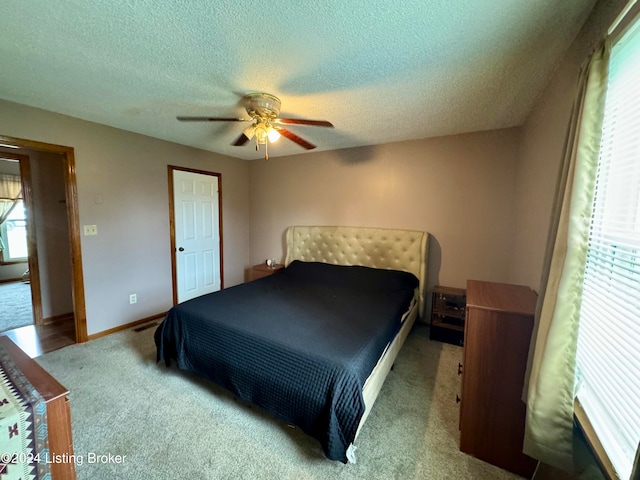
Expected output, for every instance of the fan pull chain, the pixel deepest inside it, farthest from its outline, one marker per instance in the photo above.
(266, 149)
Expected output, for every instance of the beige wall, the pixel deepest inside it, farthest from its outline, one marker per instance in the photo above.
(461, 189)
(52, 233)
(13, 271)
(543, 137)
(128, 172)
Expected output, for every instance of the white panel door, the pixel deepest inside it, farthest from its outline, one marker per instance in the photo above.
(197, 234)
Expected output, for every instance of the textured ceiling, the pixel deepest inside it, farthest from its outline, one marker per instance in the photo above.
(380, 70)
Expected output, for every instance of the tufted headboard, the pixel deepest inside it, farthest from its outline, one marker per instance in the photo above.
(370, 247)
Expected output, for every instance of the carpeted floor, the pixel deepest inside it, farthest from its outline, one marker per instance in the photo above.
(15, 305)
(170, 425)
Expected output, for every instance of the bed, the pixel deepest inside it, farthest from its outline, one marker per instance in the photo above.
(313, 343)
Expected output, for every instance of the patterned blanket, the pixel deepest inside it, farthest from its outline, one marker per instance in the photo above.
(23, 426)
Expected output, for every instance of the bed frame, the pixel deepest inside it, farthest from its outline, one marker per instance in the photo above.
(389, 249)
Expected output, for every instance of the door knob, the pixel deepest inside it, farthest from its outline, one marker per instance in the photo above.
(181, 249)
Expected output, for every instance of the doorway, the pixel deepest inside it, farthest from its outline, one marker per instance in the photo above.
(16, 304)
(68, 203)
(195, 210)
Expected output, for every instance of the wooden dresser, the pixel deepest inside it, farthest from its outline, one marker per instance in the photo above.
(498, 328)
(58, 411)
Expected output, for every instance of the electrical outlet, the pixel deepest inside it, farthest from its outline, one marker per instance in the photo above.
(90, 229)
(133, 298)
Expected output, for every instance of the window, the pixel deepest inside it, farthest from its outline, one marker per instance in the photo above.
(608, 355)
(13, 232)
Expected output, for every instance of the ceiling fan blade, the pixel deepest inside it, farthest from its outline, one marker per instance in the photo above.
(241, 140)
(300, 121)
(211, 119)
(295, 138)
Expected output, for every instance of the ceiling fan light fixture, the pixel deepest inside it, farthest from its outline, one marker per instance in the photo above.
(261, 134)
(263, 110)
(273, 134)
(262, 105)
(249, 132)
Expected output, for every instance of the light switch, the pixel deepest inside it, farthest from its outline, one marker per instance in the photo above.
(90, 230)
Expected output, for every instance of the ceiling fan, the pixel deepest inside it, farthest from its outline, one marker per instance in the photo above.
(263, 110)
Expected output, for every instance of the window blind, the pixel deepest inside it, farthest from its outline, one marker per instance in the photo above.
(608, 357)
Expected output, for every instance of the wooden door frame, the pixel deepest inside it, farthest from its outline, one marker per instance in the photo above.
(172, 225)
(71, 193)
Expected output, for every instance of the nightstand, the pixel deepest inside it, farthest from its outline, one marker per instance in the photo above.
(448, 314)
(263, 270)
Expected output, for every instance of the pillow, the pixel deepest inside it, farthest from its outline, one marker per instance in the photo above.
(352, 277)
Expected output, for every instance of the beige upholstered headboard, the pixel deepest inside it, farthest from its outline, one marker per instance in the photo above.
(370, 247)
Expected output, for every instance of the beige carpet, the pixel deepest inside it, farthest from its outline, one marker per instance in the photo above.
(169, 425)
(15, 305)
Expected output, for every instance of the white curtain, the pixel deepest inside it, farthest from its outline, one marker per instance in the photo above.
(551, 385)
(10, 193)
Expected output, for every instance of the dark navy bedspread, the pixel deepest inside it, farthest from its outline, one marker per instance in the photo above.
(300, 343)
